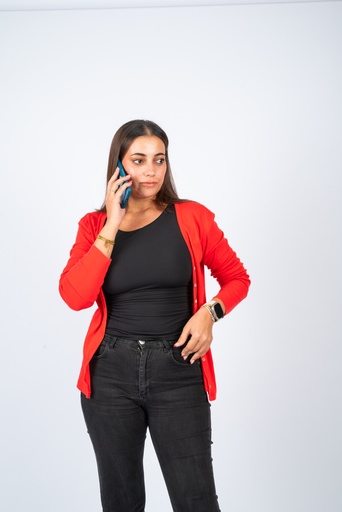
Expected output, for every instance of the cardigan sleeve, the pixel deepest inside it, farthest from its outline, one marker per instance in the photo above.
(82, 278)
(223, 264)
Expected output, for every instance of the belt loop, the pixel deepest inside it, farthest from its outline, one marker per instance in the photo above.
(167, 344)
(112, 342)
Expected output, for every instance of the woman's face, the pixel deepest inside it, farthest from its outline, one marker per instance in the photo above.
(145, 162)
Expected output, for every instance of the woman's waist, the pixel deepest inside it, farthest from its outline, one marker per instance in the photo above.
(147, 325)
(151, 303)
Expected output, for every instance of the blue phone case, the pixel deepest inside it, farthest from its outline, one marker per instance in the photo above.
(125, 195)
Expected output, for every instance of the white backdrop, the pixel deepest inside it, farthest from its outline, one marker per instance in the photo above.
(250, 97)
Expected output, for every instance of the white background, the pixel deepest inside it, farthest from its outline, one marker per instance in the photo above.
(250, 97)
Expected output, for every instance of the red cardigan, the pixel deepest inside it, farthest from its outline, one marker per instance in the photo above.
(81, 281)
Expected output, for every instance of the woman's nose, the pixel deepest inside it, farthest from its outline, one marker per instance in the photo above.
(149, 170)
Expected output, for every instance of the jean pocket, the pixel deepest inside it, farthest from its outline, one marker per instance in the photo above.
(178, 359)
(101, 350)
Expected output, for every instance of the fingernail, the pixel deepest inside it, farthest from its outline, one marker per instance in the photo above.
(184, 357)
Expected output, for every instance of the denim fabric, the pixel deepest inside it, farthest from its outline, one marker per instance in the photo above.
(146, 384)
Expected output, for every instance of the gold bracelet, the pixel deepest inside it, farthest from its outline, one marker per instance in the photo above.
(105, 240)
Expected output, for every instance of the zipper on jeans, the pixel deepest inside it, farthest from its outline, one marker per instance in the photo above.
(141, 344)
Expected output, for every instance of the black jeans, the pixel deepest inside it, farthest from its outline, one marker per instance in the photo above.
(138, 385)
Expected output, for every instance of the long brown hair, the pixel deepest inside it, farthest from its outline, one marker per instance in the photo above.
(122, 140)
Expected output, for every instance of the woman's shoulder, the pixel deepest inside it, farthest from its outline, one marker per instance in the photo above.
(93, 219)
(193, 208)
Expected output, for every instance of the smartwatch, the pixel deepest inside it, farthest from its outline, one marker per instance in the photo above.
(215, 310)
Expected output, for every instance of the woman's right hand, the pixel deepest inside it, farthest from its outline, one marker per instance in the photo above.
(115, 213)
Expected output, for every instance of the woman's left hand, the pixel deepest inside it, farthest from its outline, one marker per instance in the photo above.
(199, 331)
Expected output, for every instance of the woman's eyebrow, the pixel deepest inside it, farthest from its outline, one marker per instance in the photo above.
(143, 154)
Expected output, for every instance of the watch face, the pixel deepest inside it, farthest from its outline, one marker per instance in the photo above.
(218, 310)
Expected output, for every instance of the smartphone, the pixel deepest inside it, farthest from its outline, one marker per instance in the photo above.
(125, 195)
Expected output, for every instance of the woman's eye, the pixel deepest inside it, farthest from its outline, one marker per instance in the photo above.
(137, 161)
(160, 160)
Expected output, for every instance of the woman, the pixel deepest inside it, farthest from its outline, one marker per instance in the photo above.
(147, 360)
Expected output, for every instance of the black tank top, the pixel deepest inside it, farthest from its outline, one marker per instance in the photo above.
(148, 284)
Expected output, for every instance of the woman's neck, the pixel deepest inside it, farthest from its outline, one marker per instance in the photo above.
(138, 207)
